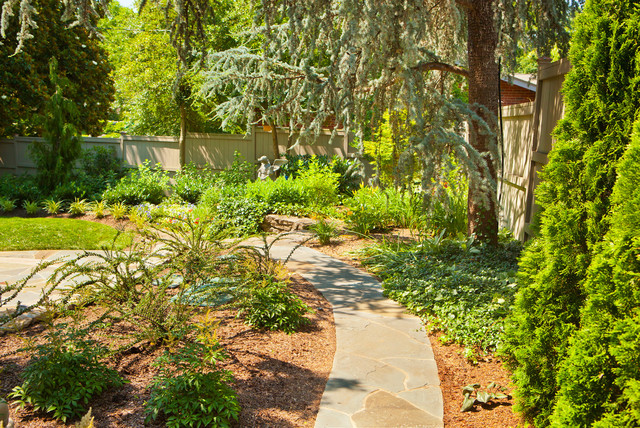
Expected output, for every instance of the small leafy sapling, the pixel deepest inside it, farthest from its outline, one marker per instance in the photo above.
(473, 395)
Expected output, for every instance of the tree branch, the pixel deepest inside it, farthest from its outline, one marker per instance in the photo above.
(434, 65)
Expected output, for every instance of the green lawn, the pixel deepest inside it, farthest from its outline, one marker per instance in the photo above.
(55, 234)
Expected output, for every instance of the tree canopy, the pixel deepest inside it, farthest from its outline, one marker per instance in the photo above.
(24, 78)
(323, 58)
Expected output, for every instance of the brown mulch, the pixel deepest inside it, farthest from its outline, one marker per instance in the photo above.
(279, 378)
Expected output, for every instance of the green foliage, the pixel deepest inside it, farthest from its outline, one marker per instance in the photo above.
(19, 188)
(78, 207)
(191, 390)
(599, 378)
(553, 318)
(349, 170)
(31, 208)
(320, 184)
(56, 156)
(324, 230)
(7, 205)
(238, 173)
(64, 374)
(281, 196)
(272, 306)
(373, 209)
(244, 215)
(98, 208)
(190, 182)
(101, 161)
(69, 190)
(474, 394)
(144, 184)
(51, 206)
(447, 206)
(464, 289)
(24, 77)
(118, 210)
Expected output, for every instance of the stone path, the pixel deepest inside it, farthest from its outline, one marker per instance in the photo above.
(384, 373)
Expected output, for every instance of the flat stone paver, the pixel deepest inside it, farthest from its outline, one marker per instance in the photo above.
(384, 373)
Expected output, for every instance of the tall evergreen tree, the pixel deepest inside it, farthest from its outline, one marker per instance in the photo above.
(566, 368)
(323, 58)
(56, 155)
(24, 77)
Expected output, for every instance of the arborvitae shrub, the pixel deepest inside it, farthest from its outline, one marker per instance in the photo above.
(600, 378)
(601, 98)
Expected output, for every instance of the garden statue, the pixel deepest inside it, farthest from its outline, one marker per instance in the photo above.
(268, 170)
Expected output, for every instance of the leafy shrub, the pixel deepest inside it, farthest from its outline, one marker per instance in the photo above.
(20, 188)
(462, 289)
(190, 390)
(319, 184)
(367, 211)
(98, 208)
(69, 190)
(349, 170)
(102, 162)
(64, 374)
(78, 207)
(144, 184)
(31, 207)
(51, 206)
(245, 215)
(190, 182)
(237, 174)
(272, 306)
(281, 196)
(324, 230)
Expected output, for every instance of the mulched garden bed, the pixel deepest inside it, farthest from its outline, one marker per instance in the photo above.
(280, 378)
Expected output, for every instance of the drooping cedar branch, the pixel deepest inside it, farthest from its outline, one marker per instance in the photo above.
(440, 66)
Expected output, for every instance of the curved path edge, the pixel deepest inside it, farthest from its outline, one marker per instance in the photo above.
(384, 372)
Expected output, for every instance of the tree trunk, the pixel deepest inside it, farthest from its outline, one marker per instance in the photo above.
(182, 140)
(483, 90)
(274, 140)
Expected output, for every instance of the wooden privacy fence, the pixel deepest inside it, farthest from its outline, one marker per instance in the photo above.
(527, 140)
(213, 150)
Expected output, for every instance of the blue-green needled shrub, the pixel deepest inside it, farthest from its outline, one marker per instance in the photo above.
(547, 335)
